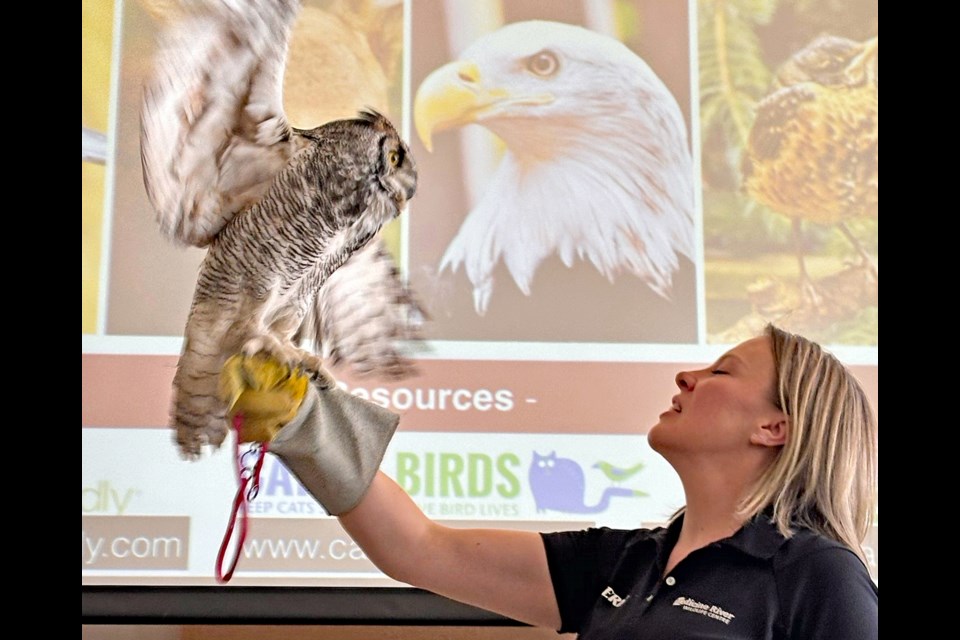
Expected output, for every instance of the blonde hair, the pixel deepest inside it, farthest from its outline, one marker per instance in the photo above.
(825, 476)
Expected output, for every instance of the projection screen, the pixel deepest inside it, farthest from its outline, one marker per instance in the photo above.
(630, 188)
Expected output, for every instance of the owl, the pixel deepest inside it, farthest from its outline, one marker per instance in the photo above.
(290, 217)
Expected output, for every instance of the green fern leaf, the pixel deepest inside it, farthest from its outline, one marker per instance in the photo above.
(733, 75)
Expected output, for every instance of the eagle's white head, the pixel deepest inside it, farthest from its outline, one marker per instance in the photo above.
(597, 163)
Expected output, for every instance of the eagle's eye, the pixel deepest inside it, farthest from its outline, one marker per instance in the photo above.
(544, 63)
(394, 157)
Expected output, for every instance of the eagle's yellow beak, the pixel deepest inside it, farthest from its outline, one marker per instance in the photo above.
(450, 96)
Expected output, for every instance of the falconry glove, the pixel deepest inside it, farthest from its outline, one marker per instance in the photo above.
(266, 393)
(331, 440)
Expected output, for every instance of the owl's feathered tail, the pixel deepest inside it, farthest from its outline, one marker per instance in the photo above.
(198, 415)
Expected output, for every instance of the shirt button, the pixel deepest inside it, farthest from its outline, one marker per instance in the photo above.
(670, 581)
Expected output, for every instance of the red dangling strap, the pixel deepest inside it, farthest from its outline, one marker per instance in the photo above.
(249, 464)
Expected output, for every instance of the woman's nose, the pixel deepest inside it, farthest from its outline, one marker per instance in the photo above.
(686, 380)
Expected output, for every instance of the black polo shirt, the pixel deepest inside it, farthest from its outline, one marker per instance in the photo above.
(755, 584)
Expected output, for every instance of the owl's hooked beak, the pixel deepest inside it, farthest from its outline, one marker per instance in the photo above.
(457, 94)
(402, 186)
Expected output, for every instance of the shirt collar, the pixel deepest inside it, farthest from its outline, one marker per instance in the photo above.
(759, 537)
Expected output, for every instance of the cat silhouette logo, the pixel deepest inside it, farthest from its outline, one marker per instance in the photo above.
(559, 484)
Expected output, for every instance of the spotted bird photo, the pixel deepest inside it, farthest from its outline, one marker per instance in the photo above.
(789, 120)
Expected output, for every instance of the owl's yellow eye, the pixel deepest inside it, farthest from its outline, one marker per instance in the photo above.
(544, 63)
(394, 158)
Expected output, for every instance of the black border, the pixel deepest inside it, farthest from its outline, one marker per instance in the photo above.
(279, 605)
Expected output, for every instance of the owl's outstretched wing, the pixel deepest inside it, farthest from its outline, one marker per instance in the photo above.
(213, 130)
(365, 316)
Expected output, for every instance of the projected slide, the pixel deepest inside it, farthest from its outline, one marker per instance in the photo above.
(608, 192)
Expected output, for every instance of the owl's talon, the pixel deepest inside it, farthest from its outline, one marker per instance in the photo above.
(322, 379)
(272, 348)
(258, 345)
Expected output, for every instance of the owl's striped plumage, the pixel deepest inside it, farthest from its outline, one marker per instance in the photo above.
(282, 210)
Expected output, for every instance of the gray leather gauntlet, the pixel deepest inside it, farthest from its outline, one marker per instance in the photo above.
(335, 445)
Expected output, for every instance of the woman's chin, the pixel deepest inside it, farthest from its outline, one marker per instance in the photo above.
(655, 437)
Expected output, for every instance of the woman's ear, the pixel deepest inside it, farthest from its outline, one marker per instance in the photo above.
(772, 433)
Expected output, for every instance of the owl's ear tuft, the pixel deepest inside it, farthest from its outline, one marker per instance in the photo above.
(375, 118)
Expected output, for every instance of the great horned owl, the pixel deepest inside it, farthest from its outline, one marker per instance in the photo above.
(290, 216)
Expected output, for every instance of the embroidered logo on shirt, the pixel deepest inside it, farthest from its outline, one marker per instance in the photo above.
(709, 610)
(612, 597)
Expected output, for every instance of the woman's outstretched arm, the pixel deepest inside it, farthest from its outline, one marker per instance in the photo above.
(499, 570)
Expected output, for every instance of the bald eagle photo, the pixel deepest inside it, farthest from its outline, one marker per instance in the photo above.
(584, 230)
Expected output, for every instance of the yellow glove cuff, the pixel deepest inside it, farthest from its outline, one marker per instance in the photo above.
(264, 392)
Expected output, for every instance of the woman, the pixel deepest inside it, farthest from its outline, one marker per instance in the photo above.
(775, 445)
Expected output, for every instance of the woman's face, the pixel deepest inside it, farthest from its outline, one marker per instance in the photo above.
(719, 408)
